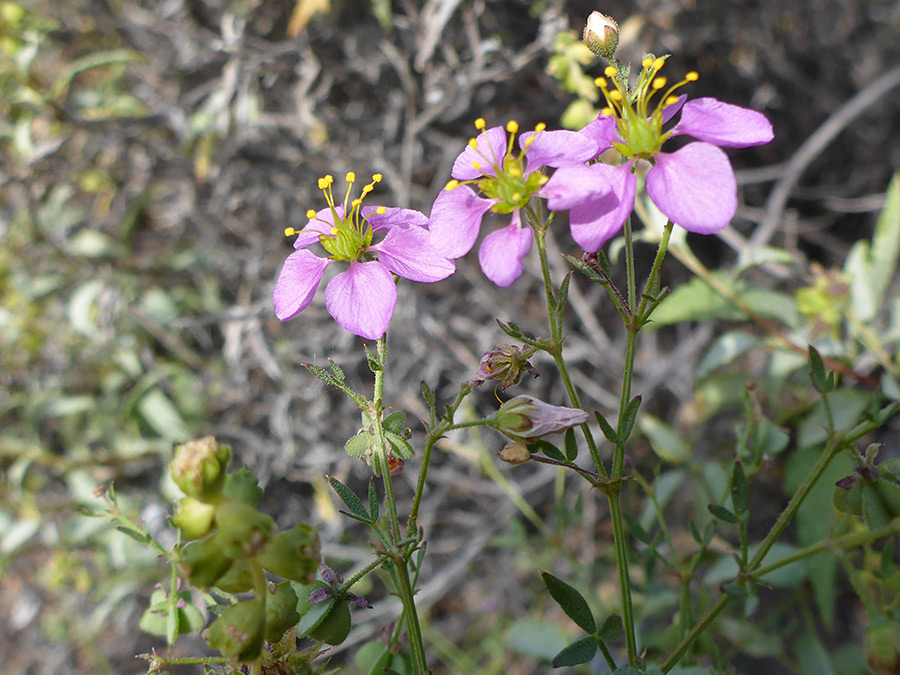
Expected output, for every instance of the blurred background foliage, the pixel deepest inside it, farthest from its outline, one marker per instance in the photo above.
(152, 153)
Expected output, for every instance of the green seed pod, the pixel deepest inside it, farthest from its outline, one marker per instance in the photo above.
(848, 499)
(243, 529)
(883, 645)
(199, 467)
(204, 562)
(238, 578)
(335, 627)
(194, 518)
(239, 631)
(293, 554)
(281, 611)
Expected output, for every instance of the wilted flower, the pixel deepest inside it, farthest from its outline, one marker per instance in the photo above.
(694, 186)
(505, 363)
(362, 298)
(199, 466)
(507, 180)
(525, 419)
(601, 35)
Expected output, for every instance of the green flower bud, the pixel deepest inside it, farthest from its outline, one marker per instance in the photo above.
(601, 35)
(524, 419)
(239, 631)
(293, 554)
(194, 518)
(244, 530)
(238, 578)
(883, 645)
(204, 562)
(281, 611)
(199, 467)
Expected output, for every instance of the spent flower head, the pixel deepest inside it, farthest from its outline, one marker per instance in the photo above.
(506, 363)
(507, 178)
(362, 298)
(694, 186)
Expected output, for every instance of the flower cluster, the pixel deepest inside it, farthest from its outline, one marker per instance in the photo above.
(362, 298)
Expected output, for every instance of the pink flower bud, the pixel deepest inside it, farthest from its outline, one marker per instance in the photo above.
(601, 35)
(525, 419)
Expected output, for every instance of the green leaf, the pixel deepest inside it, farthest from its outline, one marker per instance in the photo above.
(606, 428)
(511, 329)
(722, 513)
(576, 653)
(571, 445)
(847, 405)
(740, 489)
(562, 295)
(401, 446)
(626, 423)
(571, 601)
(664, 440)
(724, 350)
(243, 486)
(373, 500)
(547, 448)
(395, 423)
(372, 658)
(611, 628)
(160, 413)
(360, 445)
(822, 383)
(351, 500)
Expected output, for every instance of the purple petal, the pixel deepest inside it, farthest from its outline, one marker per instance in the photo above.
(503, 252)
(408, 253)
(599, 214)
(393, 217)
(314, 228)
(694, 187)
(670, 110)
(455, 220)
(362, 299)
(603, 132)
(489, 153)
(297, 283)
(723, 124)
(557, 148)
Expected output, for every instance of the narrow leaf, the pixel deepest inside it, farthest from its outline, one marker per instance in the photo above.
(511, 329)
(817, 371)
(351, 500)
(562, 296)
(611, 628)
(626, 423)
(373, 500)
(606, 428)
(547, 448)
(722, 513)
(571, 601)
(740, 490)
(576, 653)
(571, 445)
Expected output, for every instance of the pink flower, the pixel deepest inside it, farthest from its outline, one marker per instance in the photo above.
(694, 186)
(362, 298)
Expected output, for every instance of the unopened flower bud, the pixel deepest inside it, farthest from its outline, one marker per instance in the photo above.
(601, 35)
(199, 467)
(525, 419)
(515, 454)
(239, 631)
(883, 645)
(506, 363)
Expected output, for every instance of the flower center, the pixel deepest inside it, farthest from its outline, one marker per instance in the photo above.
(639, 126)
(509, 185)
(350, 235)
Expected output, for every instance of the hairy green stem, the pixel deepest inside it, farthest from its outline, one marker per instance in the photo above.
(416, 644)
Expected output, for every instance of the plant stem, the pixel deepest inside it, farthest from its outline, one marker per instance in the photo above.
(416, 645)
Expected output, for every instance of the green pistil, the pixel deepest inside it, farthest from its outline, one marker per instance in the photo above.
(351, 236)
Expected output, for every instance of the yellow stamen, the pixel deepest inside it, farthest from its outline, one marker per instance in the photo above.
(351, 177)
(451, 185)
(367, 189)
(473, 144)
(480, 124)
(512, 126)
(539, 127)
(646, 63)
(658, 63)
(543, 179)
(334, 231)
(380, 210)
(377, 177)
(601, 82)
(288, 231)
(516, 196)
(692, 76)
(672, 100)
(659, 83)
(515, 171)
(615, 96)
(607, 112)
(311, 214)
(356, 202)
(609, 71)
(476, 165)
(323, 183)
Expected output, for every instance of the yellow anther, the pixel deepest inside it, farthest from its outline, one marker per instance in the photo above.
(323, 183)
(671, 100)
(311, 214)
(658, 63)
(515, 171)
(692, 76)
(476, 165)
(288, 231)
(607, 112)
(333, 232)
(512, 126)
(615, 96)
(368, 188)
(647, 62)
(380, 210)
(480, 124)
(473, 144)
(377, 177)
(539, 127)
(451, 185)
(530, 140)
(543, 179)
(610, 71)
(601, 82)
(356, 202)
(658, 83)
(351, 177)
(516, 196)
